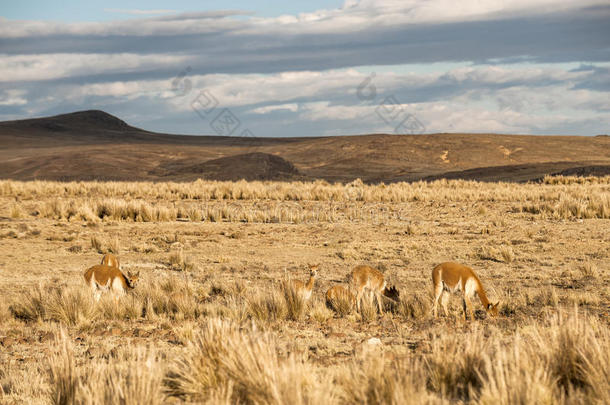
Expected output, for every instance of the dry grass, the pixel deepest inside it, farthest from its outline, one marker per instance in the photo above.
(266, 308)
(502, 253)
(242, 367)
(232, 330)
(181, 262)
(204, 201)
(132, 375)
(295, 302)
(114, 246)
(567, 357)
(416, 306)
(342, 304)
(97, 245)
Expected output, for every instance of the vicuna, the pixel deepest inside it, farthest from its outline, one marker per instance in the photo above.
(367, 278)
(105, 278)
(338, 295)
(450, 277)
(305, 289)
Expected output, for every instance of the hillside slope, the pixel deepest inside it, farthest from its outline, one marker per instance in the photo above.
(95, 145)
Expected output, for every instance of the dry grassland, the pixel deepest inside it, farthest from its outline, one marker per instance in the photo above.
(213, 319)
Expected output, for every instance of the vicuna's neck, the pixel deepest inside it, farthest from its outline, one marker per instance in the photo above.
(310, 282)
(482, 295)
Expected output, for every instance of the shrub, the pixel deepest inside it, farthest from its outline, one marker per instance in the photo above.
(133, 375)
(222, 361)
(295, 302)
(267, 308)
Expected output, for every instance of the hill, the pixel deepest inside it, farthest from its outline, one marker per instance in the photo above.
(95, 145)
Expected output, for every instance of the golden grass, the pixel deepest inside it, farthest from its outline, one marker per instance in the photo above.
(131, 376)
(294, 202)
(565, 355)
(342, 304)
(566, 358)
(230, 330)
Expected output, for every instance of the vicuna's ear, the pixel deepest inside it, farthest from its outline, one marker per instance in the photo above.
(496, 304)
(489, 306)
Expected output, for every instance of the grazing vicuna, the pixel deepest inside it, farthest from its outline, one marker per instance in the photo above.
(367, 278)
(110, 260)
(340, 298)
(450, 277)
(106, 278)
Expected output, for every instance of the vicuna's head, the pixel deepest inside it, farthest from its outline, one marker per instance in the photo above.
(392, 293)
(132, 278)
(313, 270)
(492, 309)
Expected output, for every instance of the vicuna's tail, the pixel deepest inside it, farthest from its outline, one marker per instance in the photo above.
(436, 275)
(88, 276)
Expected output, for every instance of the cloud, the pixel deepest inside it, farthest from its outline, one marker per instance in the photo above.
(363, 33)
(352, 17)
(528, 99)
(12, 98)
(44, 67)
(293, 107)
(511, 58)
(137, 11)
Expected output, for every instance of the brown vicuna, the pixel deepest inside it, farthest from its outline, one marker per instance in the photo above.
(450, 277)
(367, 278)
(110, 260)
(340, 298)
(305, 289)
(106, 278)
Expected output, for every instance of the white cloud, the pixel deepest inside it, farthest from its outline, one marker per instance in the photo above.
(12, 98)
(56, 66)
(525, 99)
(293, 107)
(352, 16)
(138, 11)
(304, 64)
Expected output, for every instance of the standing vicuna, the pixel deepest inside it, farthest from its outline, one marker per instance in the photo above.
(305, 289)
(450, 277)
(110, 260)
(106, 278)
(367, 278)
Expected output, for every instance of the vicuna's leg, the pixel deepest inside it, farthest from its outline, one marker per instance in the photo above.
(359, 298)
(438, 292)
(464, 306)
(371, 297)
(379, 302)
(445, 302)
(468, 306)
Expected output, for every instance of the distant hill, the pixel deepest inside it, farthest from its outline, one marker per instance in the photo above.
(246, 166)
(91, 120)
(93, 144)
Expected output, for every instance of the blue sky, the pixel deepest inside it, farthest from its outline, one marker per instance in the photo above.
(76, 11)
(277, 68)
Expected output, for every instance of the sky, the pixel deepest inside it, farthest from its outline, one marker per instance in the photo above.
(313, 68)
